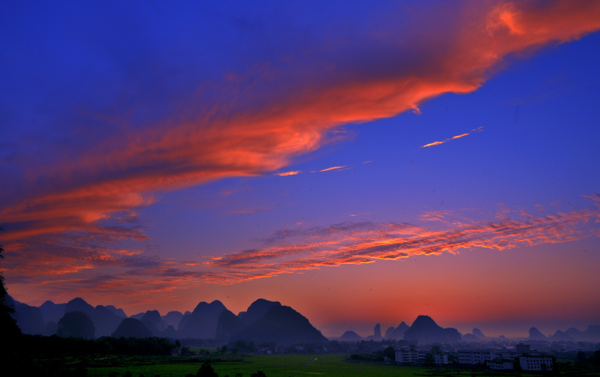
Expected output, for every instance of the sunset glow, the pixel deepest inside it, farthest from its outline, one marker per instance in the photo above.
(154, 155)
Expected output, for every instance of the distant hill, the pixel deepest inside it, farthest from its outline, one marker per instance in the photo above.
(105, 320)
(79, 305)
(478, 333)
(398, 332)
(535, 334)
(173, 318)
(591, 334)
(470, 338)
(257, 310)
(29, 318)
(52, 312)
(561, 336)
(228, 325)
(76, 324)
(426, 331)
(117, 311)
(131, 328)
(376, 333)
(350, 336)
(153, 316)
(282, 325)
(202, 323)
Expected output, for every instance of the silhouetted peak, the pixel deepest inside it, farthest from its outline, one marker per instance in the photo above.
(377, 331)
(478, 333)
(402, 326)
(132, 328)
(282, 325)
(213, 306)
(426, 331)
(79, 305)
(536, 334)
(424, 321)
(117, 311)
(152, 316)
(389, 332)
(350, 336)
(257, 310)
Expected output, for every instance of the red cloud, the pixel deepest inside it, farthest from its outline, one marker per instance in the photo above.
(359, 243)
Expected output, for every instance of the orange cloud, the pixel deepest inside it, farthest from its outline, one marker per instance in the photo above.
(332, 168)
(288, 173)
(290, 251)
(261, 119)
(479, 129)
(359, 243)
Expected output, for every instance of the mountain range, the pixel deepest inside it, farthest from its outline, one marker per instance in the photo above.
(263, 321)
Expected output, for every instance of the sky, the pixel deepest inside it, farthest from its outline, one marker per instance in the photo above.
(361, 162)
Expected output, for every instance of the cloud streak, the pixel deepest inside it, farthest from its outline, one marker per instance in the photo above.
(366, 242)
(479, 129)
(286, 251)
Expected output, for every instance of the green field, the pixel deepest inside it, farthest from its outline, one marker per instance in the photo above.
(271, 365)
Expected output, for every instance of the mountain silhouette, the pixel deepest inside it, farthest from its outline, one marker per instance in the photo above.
(228, 325)
(131, 328)
(203, 321)
(478, 333)
(561, 336)
(426, 331)
(470, 338)
(153, 316)
(398, 332)
(52, 312)
(376, 333)
(350, 336)
(282, 325)
(257, 310)
(76, 324)
(117, 311)
(389, 332)
(105, 320)
(535, 334)
(29, 318)
(79, 305)
(172, 318)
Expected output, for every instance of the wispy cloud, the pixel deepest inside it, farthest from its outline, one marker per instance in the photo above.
(479, 129)
(290, 251)
(293, 250)
(332, 168)
(288, 173)
(250, 210)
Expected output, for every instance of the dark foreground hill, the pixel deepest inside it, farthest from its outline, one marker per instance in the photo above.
(282, 325)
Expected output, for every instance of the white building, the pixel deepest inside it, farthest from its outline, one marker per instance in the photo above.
(536, 362)
(500, 364)
(406, 355)
(475, 356)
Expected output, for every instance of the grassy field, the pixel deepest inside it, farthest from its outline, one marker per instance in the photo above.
(271, 365)
(287, 366)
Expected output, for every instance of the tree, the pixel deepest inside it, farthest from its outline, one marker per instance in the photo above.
(8, 325)
(206, 370)
(258, 373)
(390, 353)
